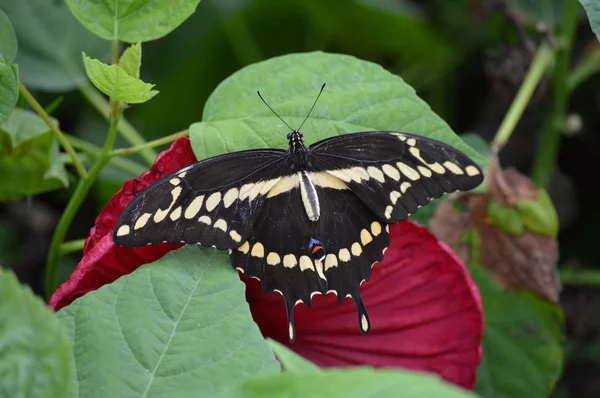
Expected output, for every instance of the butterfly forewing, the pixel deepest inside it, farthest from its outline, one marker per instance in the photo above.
(395, 173)
(213, 202)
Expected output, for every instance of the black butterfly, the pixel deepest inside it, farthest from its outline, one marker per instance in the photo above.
(306, 220)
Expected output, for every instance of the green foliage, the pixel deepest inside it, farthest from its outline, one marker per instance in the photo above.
(50, 44)
(28, 157)
(291, 361)
(539, 214)
(547, 12)
(522, 343)
(35, 352)
(114, 80)
(177, 327)
(132, 20)
(359, 96)
(131, 60)
(506, 218)
(592, 8)
(9, 74)
(357, 382)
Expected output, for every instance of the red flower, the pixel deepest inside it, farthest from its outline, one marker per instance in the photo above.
(425, 310)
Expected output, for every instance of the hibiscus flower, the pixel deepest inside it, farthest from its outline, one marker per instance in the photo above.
(425, 310)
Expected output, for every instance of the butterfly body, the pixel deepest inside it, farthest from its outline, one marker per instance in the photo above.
(307, 220)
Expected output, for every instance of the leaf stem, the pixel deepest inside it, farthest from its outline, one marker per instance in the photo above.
(545, 158)
(128, 132)
(588, 67)
(539, 64)
(54, 128)
(72, 246)
(127, 165)
(150, 144)
(587, 277)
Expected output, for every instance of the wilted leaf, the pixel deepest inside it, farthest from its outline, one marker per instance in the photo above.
(132, 20)
(115, 82)
(36, 354)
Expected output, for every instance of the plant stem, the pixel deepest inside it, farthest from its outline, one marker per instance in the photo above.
(72, 246)
(127, 165)
(54, 128)
(128, 132)
(545, 159)
(150, 144)
(588, 67)
(589, 277)
(539, 64)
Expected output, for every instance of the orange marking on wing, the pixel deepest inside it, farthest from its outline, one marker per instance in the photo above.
(316, 249)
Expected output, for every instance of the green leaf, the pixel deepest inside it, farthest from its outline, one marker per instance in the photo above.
(592, 8)
(50, 44)
(9, 89)
(547, 12)
(359, 96)
(28, 157)
(539, 214)
(178, 327)
(522, 343)
(506, 218)
(115, 82)
(132, 20)
(8, 40)
(351, 382)
(36, 354)
(291, 361)
(131, 60)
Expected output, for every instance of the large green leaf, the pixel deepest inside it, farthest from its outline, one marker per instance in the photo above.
(35, 354)
(115, 81)
(9, 75)
(50, 44)
(291, 361)
(132, 20)
(178, 327)
(359, 96)
(8, 40)
(592, 8)
(28, 157)
(522, 343)
(547, 12)
(349, 383)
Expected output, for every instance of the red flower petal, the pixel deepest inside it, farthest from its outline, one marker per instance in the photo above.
(425, 312)
(104, 262)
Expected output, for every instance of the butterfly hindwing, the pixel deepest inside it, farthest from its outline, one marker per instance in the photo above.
(212, 202)
(395, 173)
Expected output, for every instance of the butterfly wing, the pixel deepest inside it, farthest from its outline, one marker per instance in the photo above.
(395, 173)
(213, 202)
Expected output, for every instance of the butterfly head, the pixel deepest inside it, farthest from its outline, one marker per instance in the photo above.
(295, 141)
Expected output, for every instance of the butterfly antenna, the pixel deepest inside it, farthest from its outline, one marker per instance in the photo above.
(312, 107)
(263, 100)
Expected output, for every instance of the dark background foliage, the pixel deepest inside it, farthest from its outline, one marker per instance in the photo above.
(465, 58)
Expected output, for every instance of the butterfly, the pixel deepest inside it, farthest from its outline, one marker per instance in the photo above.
(304, 221)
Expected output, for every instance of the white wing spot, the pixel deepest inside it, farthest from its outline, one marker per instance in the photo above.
(394, 196)
(361, 173)
(230, 197)
(289, 261)
(258, 250)
(268, 185)
(365, 237)
(212, 201)
(194, 207)
(401, 137)
(221, 224)
(344, 255)
(327, 180)
(453, 167)
(244, 248)
(253, 193)
(411, 142)
(391, 172)
(364, 323)
(388, 212)
(123, 230)
(376, 174)
(205, 220)
(245, 190)
(306, 263)
(142, 221)
(408, 171)
(175, 181)
(175, 214)
(273, 258)
(161, 214)
(330, 261)
(356, 249)
(182, 174)
(472, 171)
(404, 186)
(433, 166)
(375, 228)
(424, 171)
(285, 184)
(235, 236)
